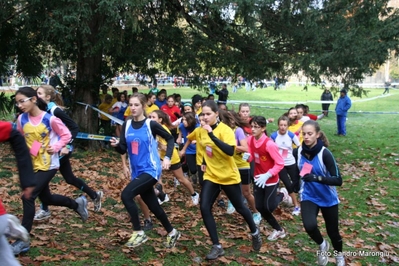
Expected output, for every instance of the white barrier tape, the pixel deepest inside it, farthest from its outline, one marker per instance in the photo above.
(113, 118)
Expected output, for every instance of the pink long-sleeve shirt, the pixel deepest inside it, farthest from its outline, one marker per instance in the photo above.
(267, 157)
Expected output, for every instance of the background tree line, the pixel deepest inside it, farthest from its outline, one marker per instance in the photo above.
(337, 40)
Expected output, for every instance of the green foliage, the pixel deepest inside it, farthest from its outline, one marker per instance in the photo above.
(6, 104)
(340, 41)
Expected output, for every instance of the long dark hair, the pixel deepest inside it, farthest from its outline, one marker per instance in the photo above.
(191, 121)
(260, 120)
(30, 92)
(165, 118)
(211, 104)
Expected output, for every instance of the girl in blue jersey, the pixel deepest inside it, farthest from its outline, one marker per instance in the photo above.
(138, 139)
(53, 99)
(188, 125)
(318, 190)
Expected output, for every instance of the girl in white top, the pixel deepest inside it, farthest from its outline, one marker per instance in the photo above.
(289, 174)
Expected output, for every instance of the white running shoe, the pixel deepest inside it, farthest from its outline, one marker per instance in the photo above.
(165, 200)
(296, 211)
(230, 208)
(322, 256)
(15, 229)
(257, 218)
(276, 235)
(97, 201)
(42, 215)
(195, 198)
(286, 199)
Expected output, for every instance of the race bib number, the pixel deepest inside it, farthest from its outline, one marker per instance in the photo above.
(34, 150)
(208, 150)
(135, 147)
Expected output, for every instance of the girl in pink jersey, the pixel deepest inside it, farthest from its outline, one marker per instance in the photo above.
(268, 163)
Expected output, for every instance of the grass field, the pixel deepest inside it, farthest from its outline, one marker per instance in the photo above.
(368, 159)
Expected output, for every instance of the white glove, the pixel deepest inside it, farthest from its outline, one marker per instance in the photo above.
(260, 180)
(246, 156)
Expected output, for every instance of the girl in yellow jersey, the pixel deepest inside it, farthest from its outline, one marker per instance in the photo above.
(295, 125)
(149, 108)
(232, 119)
(163, 119)
(217, 142)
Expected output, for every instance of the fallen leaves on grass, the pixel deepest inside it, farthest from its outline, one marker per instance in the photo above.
(63, 238)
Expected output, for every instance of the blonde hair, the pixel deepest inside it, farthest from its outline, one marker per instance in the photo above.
(54, 95)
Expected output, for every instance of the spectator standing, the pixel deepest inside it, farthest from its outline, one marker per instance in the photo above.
(223, 95)
(387, 85)
(212, 86)
(344, 103)
(326, 96)
(54, 79)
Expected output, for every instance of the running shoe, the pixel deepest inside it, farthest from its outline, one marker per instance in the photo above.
(136, 239)
(15, 229)
(256, 240)
(257, 218)
(340, 260)
(230, 208)
(322, 255)
(297, 211)
(215, 253)
(166, 199)
(97, 201)
(42, 215)
(20, 247)
(171, 240)
(276, 235)
(195, 198)
(147, 225)
(82, 208)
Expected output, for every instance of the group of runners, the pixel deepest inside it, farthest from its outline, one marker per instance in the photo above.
(223, 150)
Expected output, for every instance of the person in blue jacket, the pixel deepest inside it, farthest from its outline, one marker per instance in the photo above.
(344, 103)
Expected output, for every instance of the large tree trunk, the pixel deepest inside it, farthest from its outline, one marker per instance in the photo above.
(88, 80)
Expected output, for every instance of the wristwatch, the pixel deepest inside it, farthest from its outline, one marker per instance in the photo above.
(320, 178)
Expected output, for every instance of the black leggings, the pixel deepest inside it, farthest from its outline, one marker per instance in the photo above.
(70, 178)
(200, 175)
(191, 163)
(266, 201)
(143, 185)
(210, 191)
(42, 191)
(309, 212)
(290, 177)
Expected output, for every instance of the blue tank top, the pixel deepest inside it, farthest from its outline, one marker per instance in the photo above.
(121, 113)
(192, 148)
(320, 194)
(142, 150)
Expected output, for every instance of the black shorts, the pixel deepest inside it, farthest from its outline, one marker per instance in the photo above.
(245, 175)
(175, 166)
